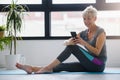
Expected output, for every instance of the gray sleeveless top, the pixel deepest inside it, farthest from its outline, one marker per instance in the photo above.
(84, 36)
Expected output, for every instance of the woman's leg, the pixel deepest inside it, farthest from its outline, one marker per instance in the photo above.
(49, 68)
(89, 62)
(70, 67)
(75, 50)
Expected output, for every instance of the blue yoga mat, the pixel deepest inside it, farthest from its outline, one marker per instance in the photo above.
(12, 72)
(22, 72)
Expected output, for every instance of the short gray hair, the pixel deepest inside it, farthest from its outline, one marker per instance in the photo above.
(90, 11)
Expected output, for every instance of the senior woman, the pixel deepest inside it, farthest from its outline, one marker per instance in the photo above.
(91, 60)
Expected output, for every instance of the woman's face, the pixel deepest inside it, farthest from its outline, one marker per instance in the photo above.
(89, 20)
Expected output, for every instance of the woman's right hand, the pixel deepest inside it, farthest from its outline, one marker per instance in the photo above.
(70, 41)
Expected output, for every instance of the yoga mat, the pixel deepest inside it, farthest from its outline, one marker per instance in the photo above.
(12, 72)
(22, 72)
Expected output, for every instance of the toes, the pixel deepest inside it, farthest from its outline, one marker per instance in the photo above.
(24, 67)
(18, 65)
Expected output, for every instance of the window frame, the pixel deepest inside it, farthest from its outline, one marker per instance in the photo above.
(47, 7)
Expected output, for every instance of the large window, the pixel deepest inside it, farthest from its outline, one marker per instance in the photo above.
(54, 19)
(21, 1)
(113, 1)
(33, 25)
(64, 22)
(73, 1)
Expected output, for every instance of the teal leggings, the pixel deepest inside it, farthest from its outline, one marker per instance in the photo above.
(87, 62)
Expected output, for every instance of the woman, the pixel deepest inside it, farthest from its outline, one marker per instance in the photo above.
(91, 60)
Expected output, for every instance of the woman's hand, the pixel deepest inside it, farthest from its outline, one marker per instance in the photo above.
(79, 40)
(70, 41)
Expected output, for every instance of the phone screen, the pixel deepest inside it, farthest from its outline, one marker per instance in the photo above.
(73, 34)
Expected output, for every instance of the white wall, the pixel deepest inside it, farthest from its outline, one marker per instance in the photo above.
(42, 52)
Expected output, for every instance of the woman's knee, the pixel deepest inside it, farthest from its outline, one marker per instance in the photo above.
(73, 48)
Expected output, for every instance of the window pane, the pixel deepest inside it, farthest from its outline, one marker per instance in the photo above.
(110, 21)
(64, 22)
(21, 1)
(73, 1)
(33, 24)
(113, 1)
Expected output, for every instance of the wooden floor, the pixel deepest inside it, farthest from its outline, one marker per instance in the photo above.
(66, 76)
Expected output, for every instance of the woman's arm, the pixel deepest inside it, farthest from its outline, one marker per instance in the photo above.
(99, 43)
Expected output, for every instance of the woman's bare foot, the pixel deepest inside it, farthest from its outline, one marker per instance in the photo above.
(44, 70)
(35, 69)
(27, 68)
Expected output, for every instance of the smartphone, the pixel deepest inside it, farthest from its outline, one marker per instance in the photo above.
(73, 34)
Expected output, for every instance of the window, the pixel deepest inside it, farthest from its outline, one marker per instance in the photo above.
(113, 1)
(73, 1)
(34, 25)
(21, 1)
(34, 21)
(54, 19)
(109, 20)
(64, 22)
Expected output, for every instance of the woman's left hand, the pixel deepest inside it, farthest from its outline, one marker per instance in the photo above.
(79, 40)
